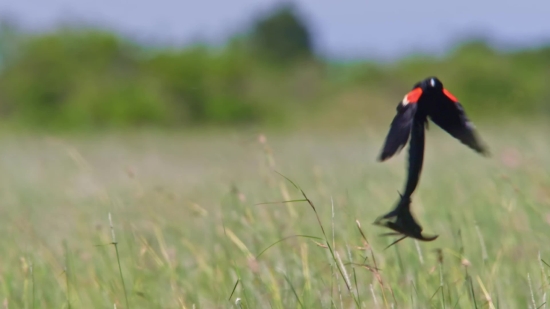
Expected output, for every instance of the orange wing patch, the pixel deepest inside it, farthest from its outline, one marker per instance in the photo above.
(449, 95)
(413, 96)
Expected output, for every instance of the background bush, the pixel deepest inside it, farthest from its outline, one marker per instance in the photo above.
(87, 79)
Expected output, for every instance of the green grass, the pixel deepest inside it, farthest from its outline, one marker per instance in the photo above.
(189, 230)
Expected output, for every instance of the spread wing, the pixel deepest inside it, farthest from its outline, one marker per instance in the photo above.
(449, 115)
(400, 129)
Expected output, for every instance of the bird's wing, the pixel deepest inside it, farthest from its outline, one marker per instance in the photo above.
(400, 127)
(449, 115)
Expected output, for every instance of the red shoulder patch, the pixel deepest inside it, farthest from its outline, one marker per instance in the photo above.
(449, 95)
(412, 96)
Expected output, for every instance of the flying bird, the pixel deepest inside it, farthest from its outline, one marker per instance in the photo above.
(429, 98)
(400, 219)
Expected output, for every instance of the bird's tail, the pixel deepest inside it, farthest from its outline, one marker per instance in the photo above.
(401, 220)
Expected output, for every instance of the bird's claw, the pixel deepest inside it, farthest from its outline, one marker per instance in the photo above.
(404, 226)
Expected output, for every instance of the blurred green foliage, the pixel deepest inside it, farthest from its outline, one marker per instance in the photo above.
(282, 36)
(88, 79)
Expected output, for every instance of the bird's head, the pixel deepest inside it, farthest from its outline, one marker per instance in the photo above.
(432, 82)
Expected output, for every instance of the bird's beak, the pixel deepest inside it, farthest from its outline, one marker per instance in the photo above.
(432, 82)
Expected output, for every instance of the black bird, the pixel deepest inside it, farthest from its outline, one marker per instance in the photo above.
(400, 219)
(429, 98)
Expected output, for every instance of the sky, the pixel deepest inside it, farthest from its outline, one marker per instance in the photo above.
(343, 29)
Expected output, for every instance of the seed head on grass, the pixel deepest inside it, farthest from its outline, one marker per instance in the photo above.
(238, 303)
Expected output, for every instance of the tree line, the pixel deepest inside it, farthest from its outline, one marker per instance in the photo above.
(81, 78)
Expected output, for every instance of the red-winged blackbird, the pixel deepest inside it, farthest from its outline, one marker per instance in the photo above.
(400, 219)
(429, 98)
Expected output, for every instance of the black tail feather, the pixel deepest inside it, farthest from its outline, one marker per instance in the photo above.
(401, 220)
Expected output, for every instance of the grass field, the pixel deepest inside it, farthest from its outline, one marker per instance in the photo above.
(190, 234)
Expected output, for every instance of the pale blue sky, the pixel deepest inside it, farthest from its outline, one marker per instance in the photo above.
(351, 28)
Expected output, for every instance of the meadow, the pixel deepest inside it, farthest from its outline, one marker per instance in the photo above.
(188, 215)
(134, 175)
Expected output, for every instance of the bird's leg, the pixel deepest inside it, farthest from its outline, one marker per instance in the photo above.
(390, 234)
(393, 243)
